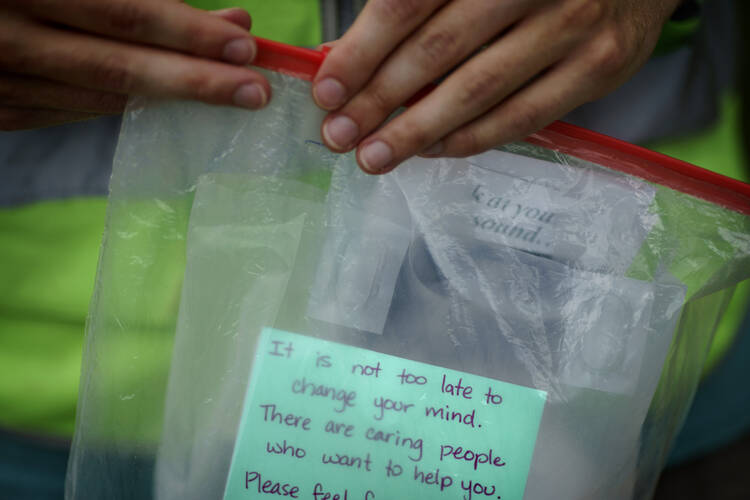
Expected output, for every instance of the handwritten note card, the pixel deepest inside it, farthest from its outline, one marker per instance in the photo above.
(325, 421)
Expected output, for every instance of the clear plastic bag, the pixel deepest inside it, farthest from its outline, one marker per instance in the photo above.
(577, 281)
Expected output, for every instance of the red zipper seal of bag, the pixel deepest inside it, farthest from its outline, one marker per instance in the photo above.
(559, 136)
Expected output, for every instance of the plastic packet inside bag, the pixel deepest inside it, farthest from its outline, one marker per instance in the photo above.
(270, 321)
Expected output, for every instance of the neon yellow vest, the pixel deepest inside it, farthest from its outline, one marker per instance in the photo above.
(48, 256)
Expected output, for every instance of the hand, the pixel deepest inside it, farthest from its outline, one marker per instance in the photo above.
(69, 60)
(519, 65)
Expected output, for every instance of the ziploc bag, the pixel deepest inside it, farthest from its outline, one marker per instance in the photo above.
(269, 321)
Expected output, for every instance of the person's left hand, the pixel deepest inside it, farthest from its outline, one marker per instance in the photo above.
(539, 60)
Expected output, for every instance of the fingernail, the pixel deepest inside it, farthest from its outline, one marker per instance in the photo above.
(239, 51)
(435, 149)
(329, 93)
(376, 156)
(341, 132)
(234, 15)
(250, 95)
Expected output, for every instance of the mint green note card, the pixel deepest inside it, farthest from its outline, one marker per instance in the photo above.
(325, 421)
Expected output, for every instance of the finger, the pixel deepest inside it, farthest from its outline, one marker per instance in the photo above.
(37, 93)
(477, 86)
(380, 28)
(234, 15)
(102, 64)
(432, 51)
(171, 25)
(25, 118)
(585, 76)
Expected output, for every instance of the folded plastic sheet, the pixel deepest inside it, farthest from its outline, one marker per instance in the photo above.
(590, 274)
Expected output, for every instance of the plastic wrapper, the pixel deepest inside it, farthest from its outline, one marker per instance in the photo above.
(268, 321)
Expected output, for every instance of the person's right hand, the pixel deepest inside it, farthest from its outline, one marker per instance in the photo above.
(69, 60)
